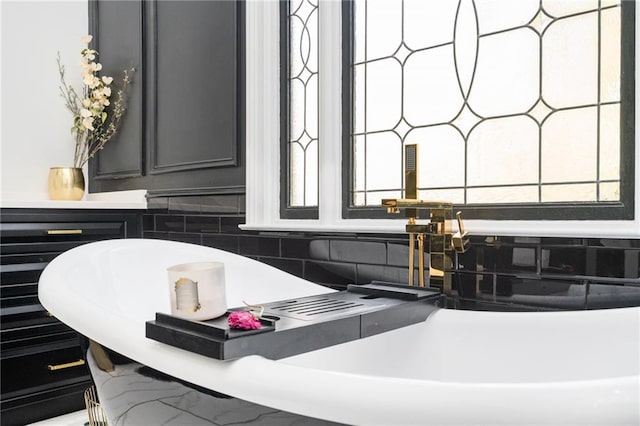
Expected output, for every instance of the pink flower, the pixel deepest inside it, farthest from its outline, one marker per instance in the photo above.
(243, 320)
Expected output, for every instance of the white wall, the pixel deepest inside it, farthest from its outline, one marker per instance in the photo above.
(34, 121)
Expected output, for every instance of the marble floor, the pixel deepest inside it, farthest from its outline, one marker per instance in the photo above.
(79, 418)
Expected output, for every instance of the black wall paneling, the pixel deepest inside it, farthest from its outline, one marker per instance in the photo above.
(194, 77)
(122, 157)
(184, 130)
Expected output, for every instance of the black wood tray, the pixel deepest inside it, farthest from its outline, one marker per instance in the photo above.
(295, 326)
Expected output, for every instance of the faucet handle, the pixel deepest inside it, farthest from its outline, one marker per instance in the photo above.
(460, 240)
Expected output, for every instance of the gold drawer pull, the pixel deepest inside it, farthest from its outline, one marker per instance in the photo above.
(64, 231)
(48, 314)
(67, 365)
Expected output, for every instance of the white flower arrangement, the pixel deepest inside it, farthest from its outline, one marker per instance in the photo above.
(93, 126)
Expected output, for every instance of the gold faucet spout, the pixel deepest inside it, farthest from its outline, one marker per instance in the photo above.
(410, 203)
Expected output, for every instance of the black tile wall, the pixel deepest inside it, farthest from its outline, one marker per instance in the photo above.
(223, 242)
(259, 246)
(202, 224)
(170, 223)
(497, 273)
(332, 274)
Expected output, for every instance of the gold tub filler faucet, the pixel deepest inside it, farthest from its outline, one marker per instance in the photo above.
(442, 241)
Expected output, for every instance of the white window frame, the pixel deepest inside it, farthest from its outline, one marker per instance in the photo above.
(263, 142)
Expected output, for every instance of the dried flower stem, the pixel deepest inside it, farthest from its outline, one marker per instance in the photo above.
(255, 314)
(93, 126)
(97, 140)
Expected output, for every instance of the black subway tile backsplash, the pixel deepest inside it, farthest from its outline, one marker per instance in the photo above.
(304, 248)
(223, 242)
(392, 274)
(203, 224)
(567, 260)
(148, 222)
(632, 263)
(155, 235)
(612, 296)
(609, 263)
(229, 224)
(358, 251)
(185, 237)
(497, 273)
(170, 223)
(295, 267)
(260, 246)
(398, 253)
(336, 275)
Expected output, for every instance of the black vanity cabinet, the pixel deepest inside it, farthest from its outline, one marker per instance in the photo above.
(183, 132)
(42, 366)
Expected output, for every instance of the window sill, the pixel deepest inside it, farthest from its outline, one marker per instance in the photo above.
(580, 229)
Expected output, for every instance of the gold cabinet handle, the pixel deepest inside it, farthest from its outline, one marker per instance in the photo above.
(67, 365)
(64, 231)
(48, 314)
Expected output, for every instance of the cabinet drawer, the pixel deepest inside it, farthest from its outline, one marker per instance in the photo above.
(21, 274)
(60, 364)
(19, 281)
(40, 329)
(40, 246)
(59, 231)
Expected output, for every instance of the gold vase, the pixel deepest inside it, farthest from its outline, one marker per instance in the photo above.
(66, 183)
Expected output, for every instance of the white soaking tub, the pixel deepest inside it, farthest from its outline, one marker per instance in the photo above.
(457, 367)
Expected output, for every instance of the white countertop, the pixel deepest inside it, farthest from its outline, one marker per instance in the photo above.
(135, 199)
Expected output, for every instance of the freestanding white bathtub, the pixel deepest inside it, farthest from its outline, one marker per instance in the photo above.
(457, 367)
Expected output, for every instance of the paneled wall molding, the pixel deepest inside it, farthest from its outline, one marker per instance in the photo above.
(115, 175)
(134, 165)
(159, 84)
(196, 191)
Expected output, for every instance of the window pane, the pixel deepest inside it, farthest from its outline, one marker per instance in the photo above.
(503, 195)
(384, 161)
(559, 8)
(384, 28)
(509, 101)
(569, 146)
(503, 151)
(425, 26)
(610, 142)
(570, 61)
(610, 56)
(384, 89)
(610, 191)
(498, 15)
(435, 144)
(435, 99)
(502, 56)
(577, 192)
